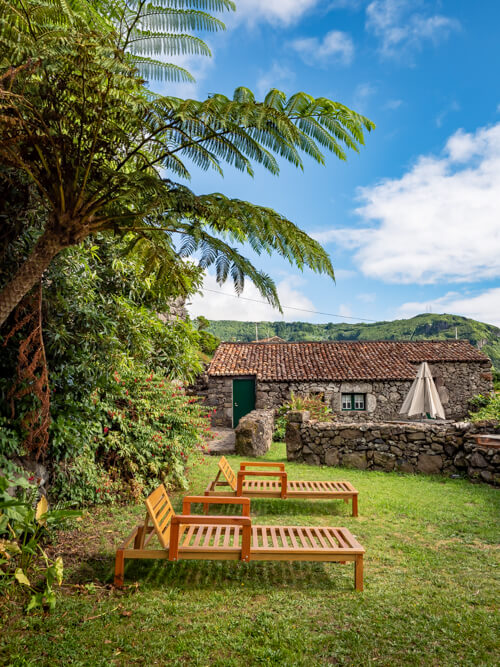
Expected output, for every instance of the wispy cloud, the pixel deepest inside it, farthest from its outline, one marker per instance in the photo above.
(335, 46)
(278, 76)
(393, 104)
(362, 93)
(344, 274)
(276, 12)
(353, 5)
(438, 222)
(198, 66)
(452, 107)
(220, 303)
(367, 297)
(483, 306)
(401, 29)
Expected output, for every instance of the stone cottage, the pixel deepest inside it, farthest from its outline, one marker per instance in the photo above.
(359, 380)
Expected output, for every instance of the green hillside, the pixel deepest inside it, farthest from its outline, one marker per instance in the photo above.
(426, 326)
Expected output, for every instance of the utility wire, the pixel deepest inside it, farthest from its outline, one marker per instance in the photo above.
(303, 310)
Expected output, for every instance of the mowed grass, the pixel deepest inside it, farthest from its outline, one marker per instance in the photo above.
(431, 587)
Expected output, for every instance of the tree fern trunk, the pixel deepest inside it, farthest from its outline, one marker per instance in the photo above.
(46, 248)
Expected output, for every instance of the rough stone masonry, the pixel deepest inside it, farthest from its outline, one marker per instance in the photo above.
(448, 448)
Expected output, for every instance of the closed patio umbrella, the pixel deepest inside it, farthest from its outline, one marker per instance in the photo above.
(423, 397)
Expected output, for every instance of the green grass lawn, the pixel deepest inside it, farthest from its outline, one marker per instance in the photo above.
(431, 587)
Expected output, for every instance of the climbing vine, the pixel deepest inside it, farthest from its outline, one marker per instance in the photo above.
(31, 382)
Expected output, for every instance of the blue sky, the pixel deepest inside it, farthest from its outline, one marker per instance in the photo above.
(412, 222)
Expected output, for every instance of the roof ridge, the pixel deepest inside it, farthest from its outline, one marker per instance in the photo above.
(338, 360)
(348, 342)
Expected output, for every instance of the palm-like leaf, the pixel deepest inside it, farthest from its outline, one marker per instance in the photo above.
(77, 119)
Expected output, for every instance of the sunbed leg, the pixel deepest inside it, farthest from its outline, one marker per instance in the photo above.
(139, 538)
(205, 505)
(119, 568)
(355, 505)
(358, 573)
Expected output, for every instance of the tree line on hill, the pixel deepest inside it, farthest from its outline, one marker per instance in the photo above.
(485, 337)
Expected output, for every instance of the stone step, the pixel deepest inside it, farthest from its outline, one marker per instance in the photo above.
(223, 442)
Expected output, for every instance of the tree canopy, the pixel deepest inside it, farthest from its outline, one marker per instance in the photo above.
(101, 151)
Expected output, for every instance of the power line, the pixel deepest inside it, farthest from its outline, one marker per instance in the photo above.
(303, 310)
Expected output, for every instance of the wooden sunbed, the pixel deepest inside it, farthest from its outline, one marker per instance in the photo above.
(244, 483)
(201, 537)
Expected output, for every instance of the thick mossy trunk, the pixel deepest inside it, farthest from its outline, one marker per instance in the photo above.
(46, 248)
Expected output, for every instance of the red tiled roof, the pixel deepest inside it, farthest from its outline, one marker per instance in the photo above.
(337, 360)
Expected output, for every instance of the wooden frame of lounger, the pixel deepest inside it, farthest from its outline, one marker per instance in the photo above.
(239, 484)
(200, 537)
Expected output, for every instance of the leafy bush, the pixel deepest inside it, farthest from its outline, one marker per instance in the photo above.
(145, 431)
(24, 527)
(313, 403)
(485, 407)
(101, 321)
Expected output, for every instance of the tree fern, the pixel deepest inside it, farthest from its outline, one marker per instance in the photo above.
(103, 151)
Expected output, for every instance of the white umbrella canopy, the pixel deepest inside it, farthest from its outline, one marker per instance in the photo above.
(423, 397)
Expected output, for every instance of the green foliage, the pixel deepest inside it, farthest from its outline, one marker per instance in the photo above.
(94, 142)
(421, 327)
(430, 586)
(24, 528)
(485, 407)
(313, 403)
(101, 316)
(145, 430)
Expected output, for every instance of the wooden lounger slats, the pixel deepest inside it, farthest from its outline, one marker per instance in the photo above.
(232, 537)
(245, 484)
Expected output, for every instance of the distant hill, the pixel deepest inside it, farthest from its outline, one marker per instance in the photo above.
(486, 337)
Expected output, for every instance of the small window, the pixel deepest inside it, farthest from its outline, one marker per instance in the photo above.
(346, 401)
(353, 401)
(359, 401)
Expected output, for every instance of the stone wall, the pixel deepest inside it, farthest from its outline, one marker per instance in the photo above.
(426, 448)
(254, 433)
(217, 393)
(456, 382)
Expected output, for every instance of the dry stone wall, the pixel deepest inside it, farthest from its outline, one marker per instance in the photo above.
(420, 448)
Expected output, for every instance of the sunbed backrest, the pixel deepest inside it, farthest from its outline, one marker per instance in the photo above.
(161, 512)
(228, 472)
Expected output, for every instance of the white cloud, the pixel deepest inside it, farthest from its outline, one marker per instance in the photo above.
(345, 311)
(393, 104)
(344, 274)
(335, 45)
(439, 222)
(276, 12)
(278, 76)
(222, 304)
(454, 106)
(362, 94)
(353, 5)
(198, 66)
(401, 29)
(484, 307)
(367, 297)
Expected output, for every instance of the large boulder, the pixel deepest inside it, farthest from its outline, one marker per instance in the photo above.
(254, 433)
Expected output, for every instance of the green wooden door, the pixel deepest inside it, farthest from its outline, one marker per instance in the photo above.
(243, 399)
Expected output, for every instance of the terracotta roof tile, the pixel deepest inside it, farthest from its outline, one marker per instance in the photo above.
(337, 360)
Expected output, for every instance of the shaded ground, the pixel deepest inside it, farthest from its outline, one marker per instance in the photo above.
(223, 442)
(431, 587)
